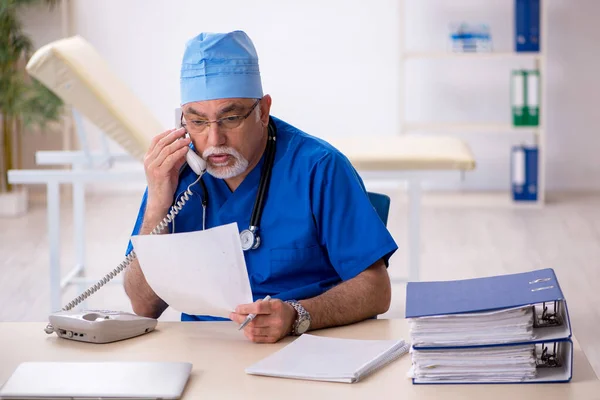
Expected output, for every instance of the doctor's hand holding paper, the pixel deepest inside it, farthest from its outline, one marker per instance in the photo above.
(312, 240)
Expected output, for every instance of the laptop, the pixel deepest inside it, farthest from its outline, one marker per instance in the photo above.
(97, 380)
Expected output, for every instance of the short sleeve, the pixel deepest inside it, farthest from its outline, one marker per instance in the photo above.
(348, 225)
(138, 221)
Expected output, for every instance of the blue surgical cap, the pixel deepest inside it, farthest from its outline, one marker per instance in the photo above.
(220, 66)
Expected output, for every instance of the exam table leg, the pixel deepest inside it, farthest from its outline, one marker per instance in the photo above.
(53, 207)
(79, 232)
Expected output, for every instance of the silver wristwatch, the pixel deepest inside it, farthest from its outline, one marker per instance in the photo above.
(302, 322)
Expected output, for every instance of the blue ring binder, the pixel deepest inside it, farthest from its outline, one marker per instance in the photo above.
(438, 311)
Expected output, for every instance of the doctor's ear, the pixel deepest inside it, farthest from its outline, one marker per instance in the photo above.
(265, 110)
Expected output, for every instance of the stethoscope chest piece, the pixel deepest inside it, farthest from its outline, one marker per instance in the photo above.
(249, 239)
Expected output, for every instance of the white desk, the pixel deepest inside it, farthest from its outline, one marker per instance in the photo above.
(220, 353)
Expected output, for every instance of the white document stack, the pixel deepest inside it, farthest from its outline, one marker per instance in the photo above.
(484, 364)
(329, 359)
(480, 364)
(502, 326)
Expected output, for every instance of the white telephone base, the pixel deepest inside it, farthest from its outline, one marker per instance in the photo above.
(100, 326)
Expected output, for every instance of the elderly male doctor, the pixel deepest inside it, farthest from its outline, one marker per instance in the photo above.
(323, 249)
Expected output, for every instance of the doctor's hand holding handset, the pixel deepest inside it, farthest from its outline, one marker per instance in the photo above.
(167, 154)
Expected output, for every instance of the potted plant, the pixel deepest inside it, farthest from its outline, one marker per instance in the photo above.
(24, 102)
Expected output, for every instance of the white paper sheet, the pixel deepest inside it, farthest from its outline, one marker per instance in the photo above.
(198, 273)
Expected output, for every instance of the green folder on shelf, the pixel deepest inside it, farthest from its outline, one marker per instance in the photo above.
(525, 97)
(532, 91)
(517, 93)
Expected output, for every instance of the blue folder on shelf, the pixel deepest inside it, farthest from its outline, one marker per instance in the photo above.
(527, 25)
(524, 173)
(551, 336)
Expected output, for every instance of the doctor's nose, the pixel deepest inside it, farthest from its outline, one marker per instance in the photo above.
(216, 135)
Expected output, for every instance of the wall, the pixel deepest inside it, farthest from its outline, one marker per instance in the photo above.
(43, 26)
(332, 68)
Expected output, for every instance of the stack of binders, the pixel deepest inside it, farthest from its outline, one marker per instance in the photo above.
(501, 329)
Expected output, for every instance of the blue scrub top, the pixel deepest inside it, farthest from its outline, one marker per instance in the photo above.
(318, 227)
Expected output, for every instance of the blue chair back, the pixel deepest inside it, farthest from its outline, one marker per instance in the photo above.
(381, 203)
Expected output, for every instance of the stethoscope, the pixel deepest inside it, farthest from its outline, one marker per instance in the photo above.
(250, 237)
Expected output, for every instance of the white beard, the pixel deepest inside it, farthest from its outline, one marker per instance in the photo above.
(225, 171)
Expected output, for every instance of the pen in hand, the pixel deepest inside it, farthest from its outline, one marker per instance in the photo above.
(250, 317)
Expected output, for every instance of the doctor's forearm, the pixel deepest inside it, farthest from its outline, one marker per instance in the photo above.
(364, 296)
(143, 299)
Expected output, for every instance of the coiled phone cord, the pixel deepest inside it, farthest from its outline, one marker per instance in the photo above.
(175, 209)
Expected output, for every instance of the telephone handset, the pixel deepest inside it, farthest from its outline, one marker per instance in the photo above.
(101, 326)
(196, 163)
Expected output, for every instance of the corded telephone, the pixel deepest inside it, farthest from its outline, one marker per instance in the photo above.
(101, 326)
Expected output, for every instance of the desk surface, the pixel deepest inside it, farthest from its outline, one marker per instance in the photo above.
(220, 354)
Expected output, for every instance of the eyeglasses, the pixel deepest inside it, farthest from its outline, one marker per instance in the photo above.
(230, 122)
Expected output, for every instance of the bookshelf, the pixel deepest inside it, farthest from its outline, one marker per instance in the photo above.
(480, 127)
(492, 129)
(470, 56)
